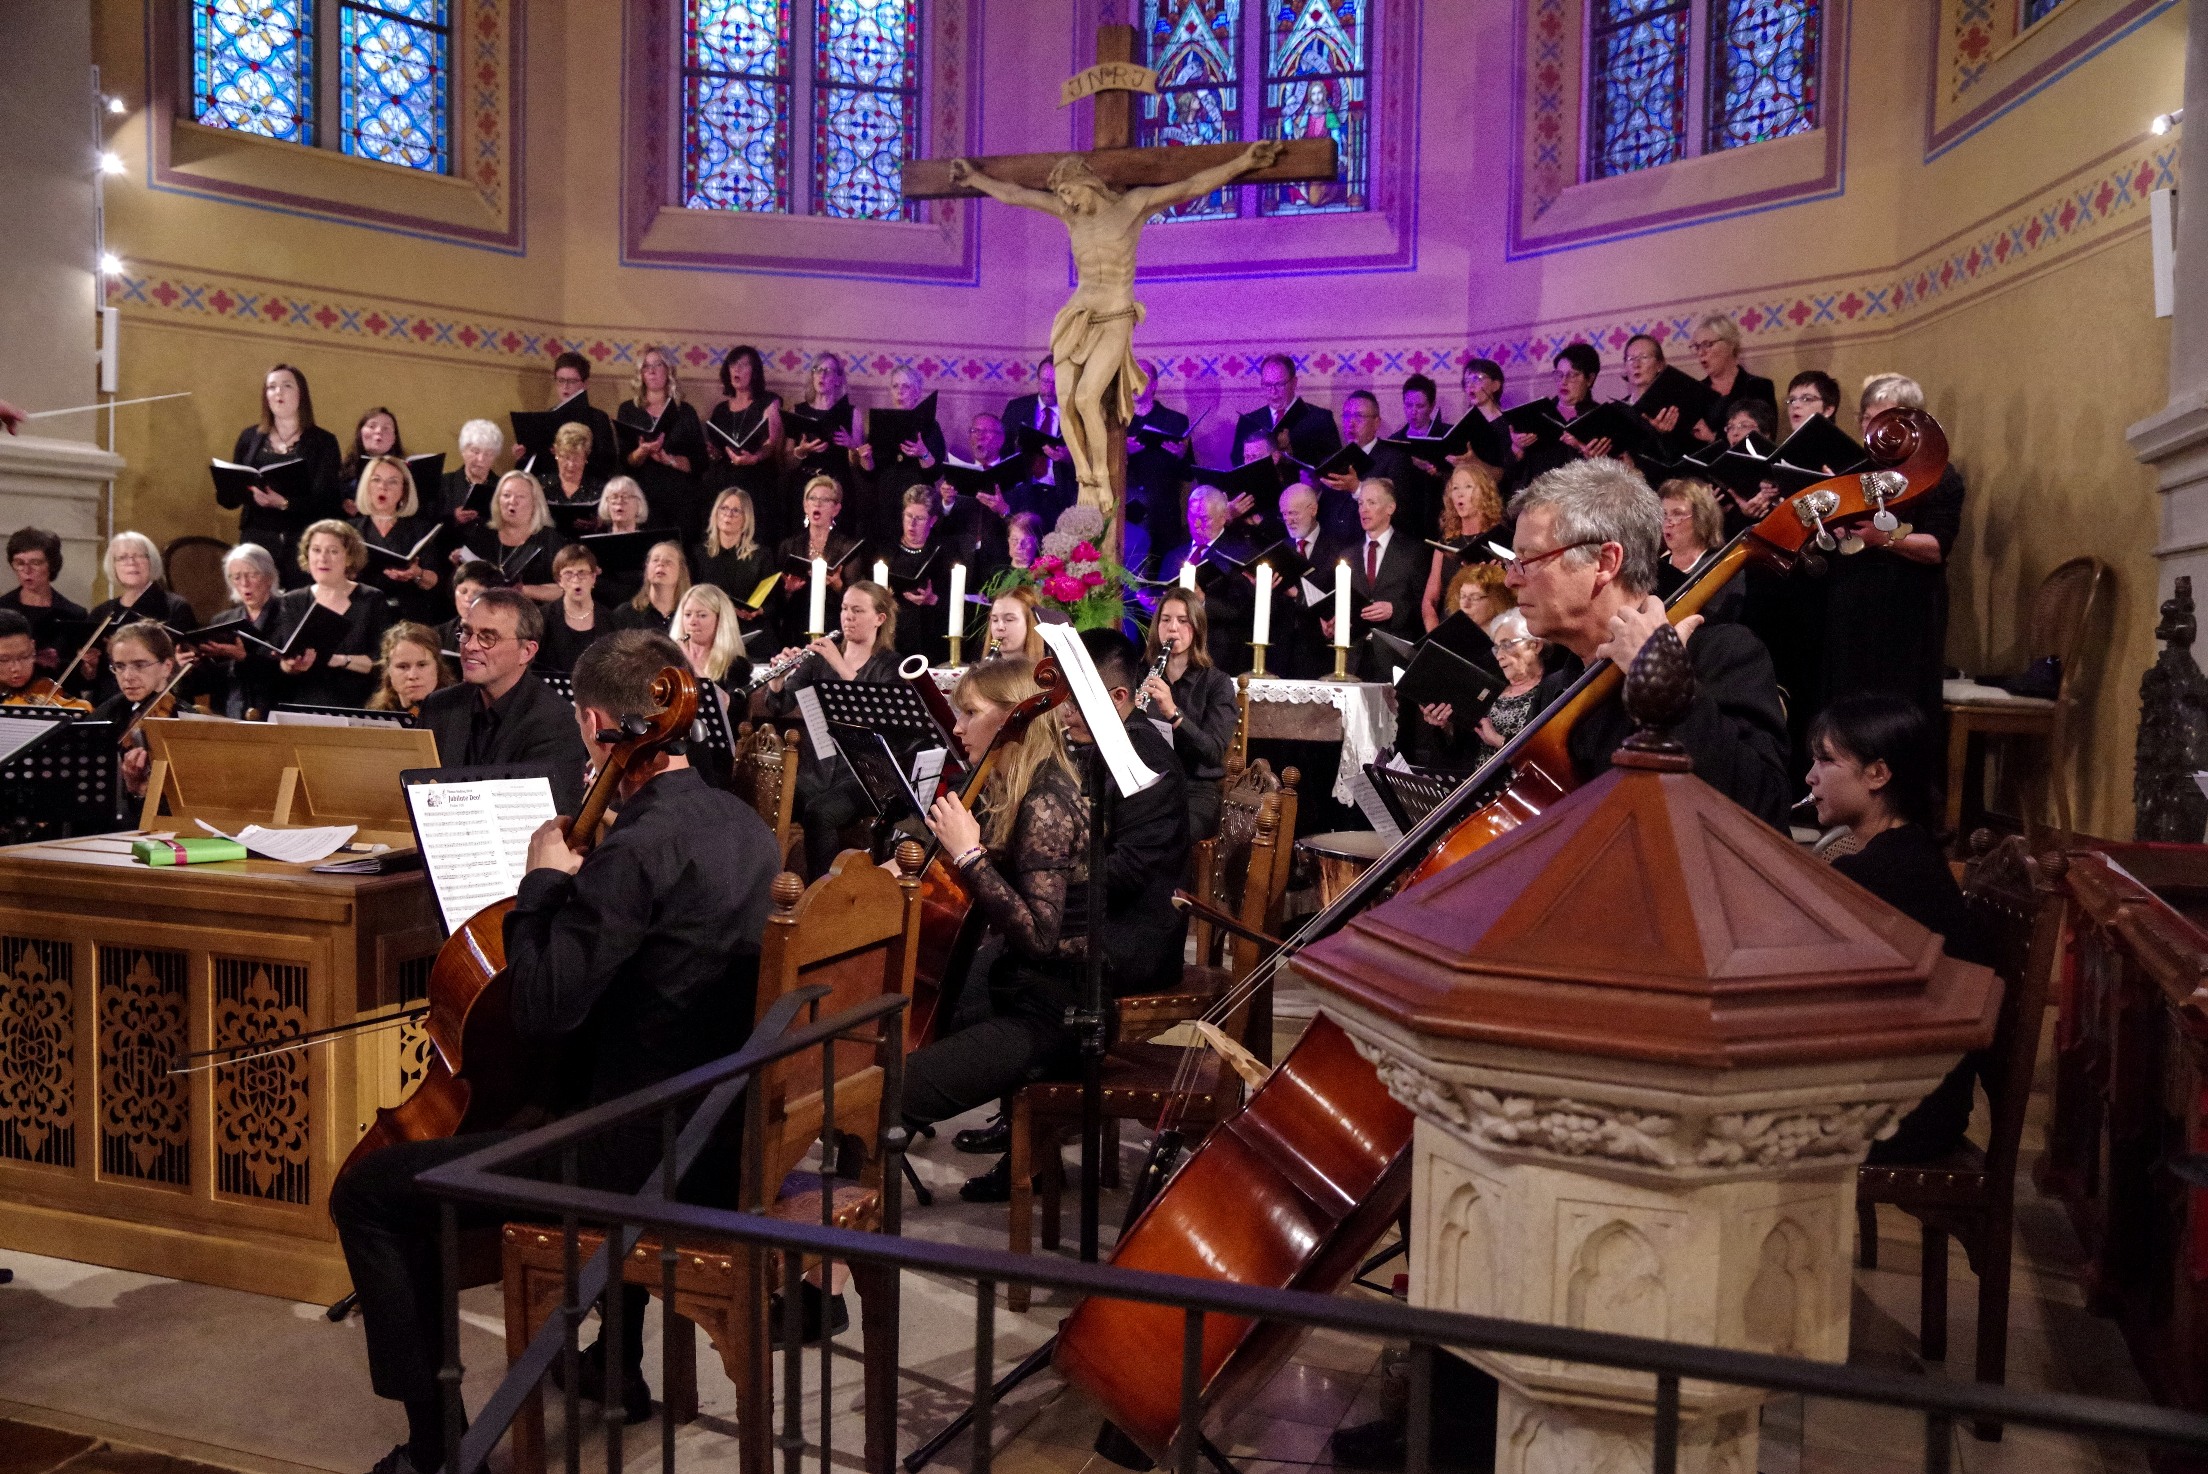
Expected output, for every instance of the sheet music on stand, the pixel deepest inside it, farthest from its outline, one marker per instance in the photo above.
(59, 768)
(472, 826)
(1411, 793)
(305, 715)
(881, 776)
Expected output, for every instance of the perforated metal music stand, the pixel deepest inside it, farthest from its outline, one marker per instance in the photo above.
(1411, 796)
(895, 711)
(70, 778)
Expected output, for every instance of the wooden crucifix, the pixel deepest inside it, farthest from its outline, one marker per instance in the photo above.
(1104, 197)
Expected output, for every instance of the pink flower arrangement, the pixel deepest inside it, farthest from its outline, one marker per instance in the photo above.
(1073, 573)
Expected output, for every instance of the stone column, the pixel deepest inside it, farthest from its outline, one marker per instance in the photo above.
(2175, 440)
(60, 485)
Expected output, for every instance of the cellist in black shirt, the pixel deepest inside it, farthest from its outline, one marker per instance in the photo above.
(623, 988)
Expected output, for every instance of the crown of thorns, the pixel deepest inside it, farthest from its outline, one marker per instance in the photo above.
(1073, 169)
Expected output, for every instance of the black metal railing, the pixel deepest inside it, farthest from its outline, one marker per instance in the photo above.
(493, 1176)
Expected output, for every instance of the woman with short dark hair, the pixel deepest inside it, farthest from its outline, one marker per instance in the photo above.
(35, 556)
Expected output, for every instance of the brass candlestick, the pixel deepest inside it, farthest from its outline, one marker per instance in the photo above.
(958, 643)
(1257, 663)
(1341, 665)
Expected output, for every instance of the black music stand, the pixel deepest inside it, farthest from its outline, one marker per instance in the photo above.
(894, 711)
(711, 727)
(561, 682)
(70, 778)
(1411, 795)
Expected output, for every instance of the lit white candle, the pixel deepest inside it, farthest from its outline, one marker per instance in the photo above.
(1261, 631)
(817, 616)
(881, 572)
(958, 600)
(1341, 603)
(1188, 575)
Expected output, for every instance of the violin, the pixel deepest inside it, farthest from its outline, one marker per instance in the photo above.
(950, 930)
(45, 692)
(479, 1074)
(1243, 1208)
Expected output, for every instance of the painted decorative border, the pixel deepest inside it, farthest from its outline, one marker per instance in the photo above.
(1982, 67)
(944, 248)
(487, 45)
(1545, 165)
(2104, 200)
(1383, 237)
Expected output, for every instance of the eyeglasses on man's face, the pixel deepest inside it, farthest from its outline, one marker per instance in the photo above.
(481, 639)
(1522, 566)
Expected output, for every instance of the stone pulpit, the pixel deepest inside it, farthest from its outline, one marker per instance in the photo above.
(1647, 1040)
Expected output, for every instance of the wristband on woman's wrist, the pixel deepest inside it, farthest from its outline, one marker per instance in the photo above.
(971, 856)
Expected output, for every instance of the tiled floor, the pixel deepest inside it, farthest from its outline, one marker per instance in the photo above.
(138, 1372)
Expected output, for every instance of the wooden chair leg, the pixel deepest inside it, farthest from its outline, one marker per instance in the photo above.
(1958, 766)
(1022, 1209)
(1051, 1173)
(1866, 1234)
(1932, 1296)
(1996, 1263)
(523, 1320)
(679, 1375)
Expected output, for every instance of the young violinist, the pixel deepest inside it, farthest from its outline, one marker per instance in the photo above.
(35, 556)
(621, 988)
(1024, 855)
(1193, 697)
(21, 683)
(145, 661)
(865, 653)
(1587, 538)
(410, 669)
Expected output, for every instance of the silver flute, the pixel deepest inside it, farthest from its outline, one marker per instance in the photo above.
(787, 665)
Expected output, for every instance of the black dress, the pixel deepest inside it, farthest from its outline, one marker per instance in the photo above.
(762, 480)
(1885, 625)
(673, 494)
(790, 609)
(562, 643)
(367, 616)
(882, 494)
(278, 529)
(1905, 868)
(154, 602)
(453, 493)
(834, 461)
(483, 542)
(1746, 386)
(736, 575)
(408, 600)
(922, 629)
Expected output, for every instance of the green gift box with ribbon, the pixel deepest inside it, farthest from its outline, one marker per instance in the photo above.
(196, 851)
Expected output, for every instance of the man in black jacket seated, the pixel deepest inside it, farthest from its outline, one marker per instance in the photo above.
(625, 967)
(1587, 539)
(500, 712)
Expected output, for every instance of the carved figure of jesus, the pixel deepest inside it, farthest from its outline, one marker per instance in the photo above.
(1093, 337)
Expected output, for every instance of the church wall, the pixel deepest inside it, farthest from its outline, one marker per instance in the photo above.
(2005, 266)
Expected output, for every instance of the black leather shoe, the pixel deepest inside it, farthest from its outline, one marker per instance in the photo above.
(808, 1316)
(398, 1461)
(982, 1141)
(636, 1398)
(1382, 1444)
(992, 1186)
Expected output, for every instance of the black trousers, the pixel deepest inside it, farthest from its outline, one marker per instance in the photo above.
(389, 1229)
(828, 800)
(1025, 1038)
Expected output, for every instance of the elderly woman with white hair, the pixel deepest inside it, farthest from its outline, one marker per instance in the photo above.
(1885, 623)
(1716, 342)
(246, 670)
(481, 442)
(132, 566)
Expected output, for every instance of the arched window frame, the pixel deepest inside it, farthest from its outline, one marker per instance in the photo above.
(1681, 46)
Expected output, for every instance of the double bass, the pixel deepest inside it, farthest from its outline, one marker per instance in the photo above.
(1293, 1192)
(950, 931)
(479, 1075)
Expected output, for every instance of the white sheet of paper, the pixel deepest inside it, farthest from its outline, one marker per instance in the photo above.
(292, 846)
(475, 839)
(816, 724)
(927, 772)
(1127, 770)
(18, 734)
(1375, 812)
(1313, 595)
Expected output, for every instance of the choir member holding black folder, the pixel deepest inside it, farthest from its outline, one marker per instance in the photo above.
(662, 444)
(533, 429)
(465, 494)
(620, 537)
(519, 540)
(1716, 342)
(732, 558)
(576, 618)
(1471, 507)
(904, 445)
(821, 435)
(1159, 440)
(919, 565)
(744, 441)
(244, 668)
(822, 503)
(297, 464)
(403, 545)
(1671, 401)
(332, 630)
(572, 483)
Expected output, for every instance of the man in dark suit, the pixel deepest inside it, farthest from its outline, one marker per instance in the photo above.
(1386, 572)
(1228, 595)
(1303, 430)
(1038, 414)
(1385, 462)
(1157, 466)
(1298, 649)
(500, 713)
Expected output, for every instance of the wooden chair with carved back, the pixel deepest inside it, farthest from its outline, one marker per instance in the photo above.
(1970, 1194)
(1141, 1077)
(855, 931)
(764, 775)
(1205, 857)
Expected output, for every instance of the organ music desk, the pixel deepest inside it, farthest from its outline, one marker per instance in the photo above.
(109, 970)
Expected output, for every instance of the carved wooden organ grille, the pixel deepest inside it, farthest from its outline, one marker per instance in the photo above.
(262, 1104)
(145, 1121)
(38, 1051)
(413, 1048)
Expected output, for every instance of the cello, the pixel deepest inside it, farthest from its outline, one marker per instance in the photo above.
(479, 1075)
(1292, 1192)
(950, 930)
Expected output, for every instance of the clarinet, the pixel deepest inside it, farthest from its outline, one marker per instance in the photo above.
(1164, 658)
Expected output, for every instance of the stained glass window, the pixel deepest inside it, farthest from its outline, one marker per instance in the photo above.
(1763, 70)
(1316, 86)
(736, 105)
(2036, 11)
(393, 83)
(1195, 47)
(866, 101)
(253, 67)
(1637, 79)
